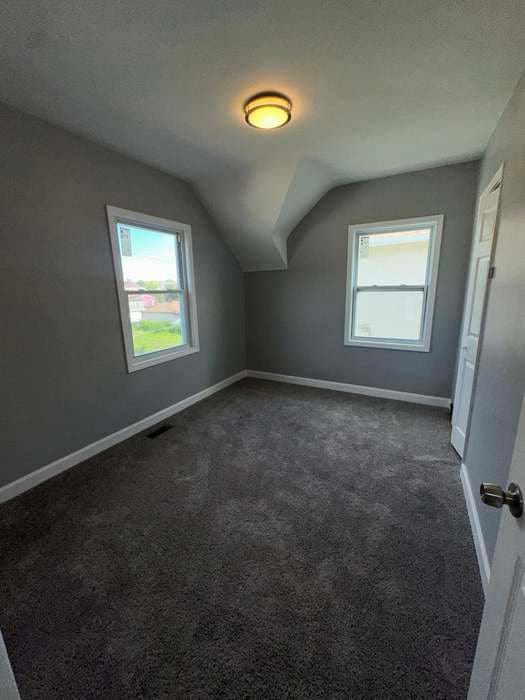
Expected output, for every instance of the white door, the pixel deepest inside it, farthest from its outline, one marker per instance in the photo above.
(499, 666)
(480, 262)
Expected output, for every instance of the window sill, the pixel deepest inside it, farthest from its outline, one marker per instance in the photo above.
(381, 345)
(138, 363)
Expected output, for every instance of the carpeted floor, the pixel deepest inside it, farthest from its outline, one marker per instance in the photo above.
(277, 542)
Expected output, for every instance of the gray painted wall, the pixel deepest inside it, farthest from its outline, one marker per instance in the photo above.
(63, 377)
(501, 372)
(295, 319)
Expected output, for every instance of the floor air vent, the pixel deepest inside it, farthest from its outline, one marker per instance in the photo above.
(158, 431)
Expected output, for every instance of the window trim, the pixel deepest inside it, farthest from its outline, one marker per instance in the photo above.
(435, 223)
(115, 216)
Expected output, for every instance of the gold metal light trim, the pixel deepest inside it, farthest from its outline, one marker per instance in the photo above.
(269, 110)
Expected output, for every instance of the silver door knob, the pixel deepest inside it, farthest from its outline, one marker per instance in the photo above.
(493, 495)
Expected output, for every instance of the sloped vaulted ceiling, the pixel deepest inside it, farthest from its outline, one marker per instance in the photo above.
(378, 87)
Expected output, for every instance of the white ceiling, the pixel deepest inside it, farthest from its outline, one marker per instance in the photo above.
(378, 87)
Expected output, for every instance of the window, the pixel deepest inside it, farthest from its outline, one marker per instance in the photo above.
(154, 272)
(391, 283)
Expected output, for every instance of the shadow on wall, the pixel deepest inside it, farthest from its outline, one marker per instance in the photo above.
(295, 319)
(500, 380)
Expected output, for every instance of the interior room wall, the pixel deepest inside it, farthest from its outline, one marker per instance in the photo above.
(63, 377)
(500, 381)
(295, 318)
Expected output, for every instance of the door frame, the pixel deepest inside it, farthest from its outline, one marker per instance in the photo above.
(495, 181)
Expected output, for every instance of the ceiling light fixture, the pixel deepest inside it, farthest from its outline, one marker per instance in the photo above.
(268, 110)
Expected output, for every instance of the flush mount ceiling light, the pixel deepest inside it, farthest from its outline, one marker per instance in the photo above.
(268, 110)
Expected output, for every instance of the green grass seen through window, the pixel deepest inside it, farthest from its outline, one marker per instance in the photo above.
(152, 336)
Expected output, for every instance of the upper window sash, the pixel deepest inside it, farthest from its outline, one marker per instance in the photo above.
(181, 271)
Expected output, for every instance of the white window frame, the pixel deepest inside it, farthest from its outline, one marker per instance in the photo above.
(187, 288)
(435, 224)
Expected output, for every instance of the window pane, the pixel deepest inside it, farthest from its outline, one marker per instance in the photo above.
(395, 315)
(149, 258)
(395, 258)
(157, 322)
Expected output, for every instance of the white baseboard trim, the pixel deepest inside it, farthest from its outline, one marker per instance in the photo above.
(60, 465)
(353, 388)
(477, 532)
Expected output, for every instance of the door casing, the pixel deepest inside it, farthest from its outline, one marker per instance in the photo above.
(469, 348)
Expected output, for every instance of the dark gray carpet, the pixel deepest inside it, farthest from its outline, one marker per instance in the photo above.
(278, 542)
